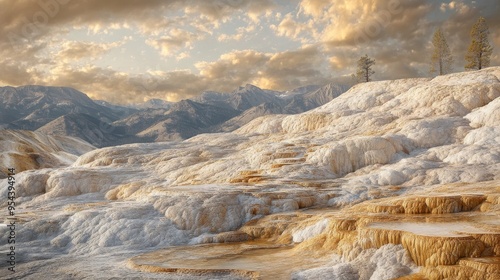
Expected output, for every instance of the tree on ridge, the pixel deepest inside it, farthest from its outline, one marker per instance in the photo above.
(365, 71)
(480, 50)
(441, 59)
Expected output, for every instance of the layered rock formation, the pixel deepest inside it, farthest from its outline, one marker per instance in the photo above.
(27, 150)
(459, 242)
(391, 179)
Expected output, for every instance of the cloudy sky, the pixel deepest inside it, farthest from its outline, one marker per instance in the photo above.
(128, 51)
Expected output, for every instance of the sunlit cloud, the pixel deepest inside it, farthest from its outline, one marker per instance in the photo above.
(108, 48)
(72, 51)
(176, 40)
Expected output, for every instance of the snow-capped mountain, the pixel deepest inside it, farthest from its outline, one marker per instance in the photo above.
(186, 119)
(140, 120)
(308, 100)
(250, 96)
(219, 112)
(241, 99)
(60, 111)
(85, 127)
(153, 104)
(299, 90)
(30, 107)
(249, 115)
(303, 99)
(119, 110)
(65, 111)
(213, 98)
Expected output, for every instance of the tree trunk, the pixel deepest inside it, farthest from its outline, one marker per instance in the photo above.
(440, 66)
(480, 57)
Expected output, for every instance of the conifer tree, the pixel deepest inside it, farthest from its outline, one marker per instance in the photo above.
(365, 71)
(479, 52)
(441, 56)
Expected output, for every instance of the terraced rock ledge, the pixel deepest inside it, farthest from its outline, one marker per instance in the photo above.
(390, 179)
(448, 236)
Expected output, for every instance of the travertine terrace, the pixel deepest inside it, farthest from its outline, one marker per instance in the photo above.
(391, 179)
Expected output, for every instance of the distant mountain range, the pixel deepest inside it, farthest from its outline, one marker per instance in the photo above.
(31, 107)
(67, 112)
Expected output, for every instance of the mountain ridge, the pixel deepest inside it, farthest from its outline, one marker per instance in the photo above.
(55, 111)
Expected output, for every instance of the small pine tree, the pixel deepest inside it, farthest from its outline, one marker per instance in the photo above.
(365, 71)
(480, 50)
(441, 59)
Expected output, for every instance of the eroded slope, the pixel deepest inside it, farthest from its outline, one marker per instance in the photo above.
(26, 150)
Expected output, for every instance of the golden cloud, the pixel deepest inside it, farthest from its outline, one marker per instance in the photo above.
(73, 50)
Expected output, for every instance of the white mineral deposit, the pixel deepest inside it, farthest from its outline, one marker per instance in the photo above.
(397, 178)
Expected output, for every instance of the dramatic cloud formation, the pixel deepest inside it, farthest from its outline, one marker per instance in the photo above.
(130, 51)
